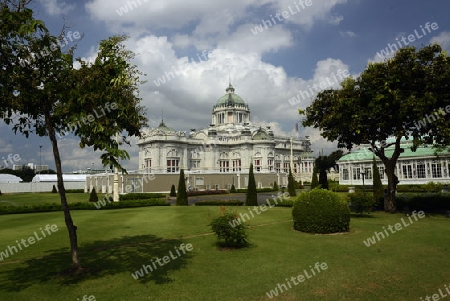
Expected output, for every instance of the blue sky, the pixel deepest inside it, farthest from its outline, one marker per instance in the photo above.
(267, 69)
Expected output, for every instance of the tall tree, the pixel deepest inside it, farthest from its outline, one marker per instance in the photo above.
(378, 191)
(291, 184)
(182, 197)
(387, 103)
(251, 198)
(42, 93)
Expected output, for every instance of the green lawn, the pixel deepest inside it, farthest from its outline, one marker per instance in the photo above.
(406, 265)
(29, 199)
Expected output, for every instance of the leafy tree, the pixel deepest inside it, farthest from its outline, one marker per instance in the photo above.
(251, 198)
(182, 197)
(173, 192)
(386, 103)
(93, 196)
(291, 184)
(315, 180)
(45, 95)
(378, 190)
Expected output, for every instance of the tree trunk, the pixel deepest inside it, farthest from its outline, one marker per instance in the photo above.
(72, 229)
(389, 200)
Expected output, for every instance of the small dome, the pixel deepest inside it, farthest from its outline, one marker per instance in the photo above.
(162, 126)
(230, 98)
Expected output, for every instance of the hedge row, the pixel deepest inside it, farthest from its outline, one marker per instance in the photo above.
(140, 196)
(428, 202)
(82, 206)
(206, 192)
(220, 203)
(429, 187)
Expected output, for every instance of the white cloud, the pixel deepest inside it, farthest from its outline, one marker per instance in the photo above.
(348, 33)
(55, 7)
(442, 39)
(335, 20)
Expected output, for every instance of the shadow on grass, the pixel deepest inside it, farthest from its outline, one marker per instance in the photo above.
(98, 259)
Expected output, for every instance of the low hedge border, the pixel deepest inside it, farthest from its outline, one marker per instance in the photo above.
(81, 206)
(428, 202)
(140, 196)
(206, 192)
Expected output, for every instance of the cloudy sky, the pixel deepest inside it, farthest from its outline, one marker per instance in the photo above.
(276, 54)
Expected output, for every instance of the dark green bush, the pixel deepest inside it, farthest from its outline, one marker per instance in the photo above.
(286, 203)
(321, 211)
(206, 192)
(267, 189)
(226, 228)
(140, 196)
(232, 189)
(54, 189)
(428, 202)
(275, 186)
(360, 203)
(220, 203)
(82, 206)
(74, 190)
(93, 196)
(173, 192)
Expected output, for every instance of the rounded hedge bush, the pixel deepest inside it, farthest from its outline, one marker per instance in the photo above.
(321, 211)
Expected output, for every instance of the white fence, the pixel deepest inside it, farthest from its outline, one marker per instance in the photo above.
(38, 186)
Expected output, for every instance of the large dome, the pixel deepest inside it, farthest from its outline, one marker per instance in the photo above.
(230, 98)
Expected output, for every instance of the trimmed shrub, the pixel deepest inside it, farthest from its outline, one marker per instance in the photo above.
(1, 192)
(232, 189)
(275, 186)
(93, 196)
(74, 190)
(220, 203)
(428, 202)
(360, 203)
(206, 192)
(182, 196)
(226, 228)
(173, 192)
(251, 199)
(54, 189)
(321, 211)
(140, 196)
(287, 203)
(315, 179)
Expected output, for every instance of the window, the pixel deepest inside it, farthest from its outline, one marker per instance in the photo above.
(258, 165)
(345, 175)
(368, 173)
(270, 164)
(356, 173)
(172, 165)
(407, 171)
(195, 164)
(224, 166)
(277, 167)
(436, 170)
(237, 165)
(199, 181)
(381, 170)
(421, 174)
(286, 167)
(148, 164)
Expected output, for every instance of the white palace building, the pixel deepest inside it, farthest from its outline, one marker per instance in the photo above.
(419, 167)
(217, 156)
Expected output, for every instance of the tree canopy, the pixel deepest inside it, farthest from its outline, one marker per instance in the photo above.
(404, 97)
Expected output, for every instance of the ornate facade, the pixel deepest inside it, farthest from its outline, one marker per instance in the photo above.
(228, 146)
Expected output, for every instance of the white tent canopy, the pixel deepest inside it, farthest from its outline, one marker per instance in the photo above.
(66, 178)
(7, 178)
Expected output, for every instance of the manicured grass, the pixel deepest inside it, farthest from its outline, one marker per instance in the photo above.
(29, 199)
(407, 265)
